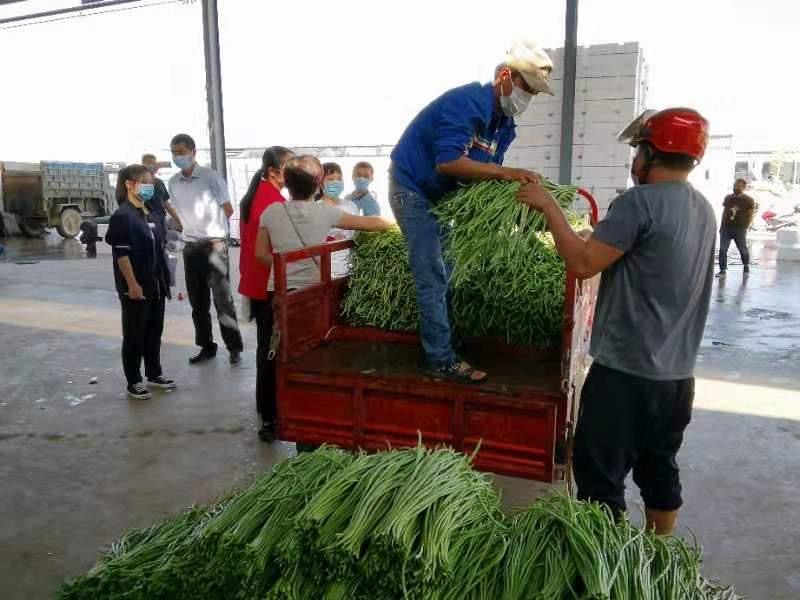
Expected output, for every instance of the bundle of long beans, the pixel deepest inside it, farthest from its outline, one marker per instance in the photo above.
(381, 289)
(393, 521)
(121, 572)
(408, 524)
(560, 548)
(507, 280)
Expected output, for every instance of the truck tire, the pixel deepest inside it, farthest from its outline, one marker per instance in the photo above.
(69, 225)
(31, 227)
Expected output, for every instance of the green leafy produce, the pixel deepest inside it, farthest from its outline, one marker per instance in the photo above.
(413, 524)
(204, 553)
(381, 289)
(124, 572)
(507, 279)
(561, 548)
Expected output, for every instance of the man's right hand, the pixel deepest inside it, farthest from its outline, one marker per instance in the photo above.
(135, 292)
(523, 176)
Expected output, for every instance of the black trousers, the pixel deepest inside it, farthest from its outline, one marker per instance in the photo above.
(739, 236)
(142, 326)
(206, 268)
(265, 369)
(628, 422)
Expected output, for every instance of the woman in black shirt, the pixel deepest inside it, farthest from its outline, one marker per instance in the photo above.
(142, 280)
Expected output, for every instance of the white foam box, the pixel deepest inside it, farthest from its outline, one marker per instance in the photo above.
(598, 132)
(606, 111)
(605, 88)
(625, 62)
(611, 154)
(544, 134)
(584, 132)
(540, 156)
(610, 87)
(601, 177)
(613, 157)
(586, 111)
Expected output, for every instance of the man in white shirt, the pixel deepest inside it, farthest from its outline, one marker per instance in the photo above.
(200, 196)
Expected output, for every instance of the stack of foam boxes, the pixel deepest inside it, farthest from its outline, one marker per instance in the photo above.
(72, 180)
(610, 91)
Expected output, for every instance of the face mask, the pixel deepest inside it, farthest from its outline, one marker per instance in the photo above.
(146, 191)
(183, 162)
(515, 103)
(333, 189)
(361, 183)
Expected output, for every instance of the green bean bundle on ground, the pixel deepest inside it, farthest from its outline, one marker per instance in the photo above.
(413, 524)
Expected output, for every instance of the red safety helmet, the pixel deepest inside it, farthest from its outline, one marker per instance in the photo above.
(673, 131)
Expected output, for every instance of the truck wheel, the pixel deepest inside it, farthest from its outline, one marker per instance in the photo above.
(70, 224)
(31, 227)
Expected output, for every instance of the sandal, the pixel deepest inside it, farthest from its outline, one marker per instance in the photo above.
(459, 371)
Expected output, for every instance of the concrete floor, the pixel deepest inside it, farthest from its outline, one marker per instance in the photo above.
(79, 463)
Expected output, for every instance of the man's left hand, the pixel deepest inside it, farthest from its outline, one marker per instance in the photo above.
(535, 196)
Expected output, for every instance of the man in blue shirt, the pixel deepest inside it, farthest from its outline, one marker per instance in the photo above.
(461, 136)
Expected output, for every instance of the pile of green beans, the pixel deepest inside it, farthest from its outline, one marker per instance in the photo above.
(507, 279)
(380, 289)
(412, 524)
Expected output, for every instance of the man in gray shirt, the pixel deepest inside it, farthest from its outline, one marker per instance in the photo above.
(655, 249)
(200, 196)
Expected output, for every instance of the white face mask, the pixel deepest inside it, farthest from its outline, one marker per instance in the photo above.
(516, 102)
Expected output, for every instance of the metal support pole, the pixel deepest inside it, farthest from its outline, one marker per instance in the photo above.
(216, 123)
(568, 92)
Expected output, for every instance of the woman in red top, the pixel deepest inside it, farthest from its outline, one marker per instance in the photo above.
(264, 190)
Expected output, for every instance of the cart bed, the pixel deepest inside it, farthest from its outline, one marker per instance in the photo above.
(364, 388)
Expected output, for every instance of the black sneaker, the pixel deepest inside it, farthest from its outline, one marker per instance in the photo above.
(204, 355)
(235, 358)
(161, 382)
(138, 392)
(746, 269)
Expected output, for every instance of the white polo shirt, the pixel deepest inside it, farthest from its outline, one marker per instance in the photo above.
(198, 200)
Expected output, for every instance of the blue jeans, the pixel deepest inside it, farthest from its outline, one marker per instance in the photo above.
(425, 238)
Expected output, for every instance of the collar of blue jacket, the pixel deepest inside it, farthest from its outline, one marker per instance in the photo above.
(464, 121)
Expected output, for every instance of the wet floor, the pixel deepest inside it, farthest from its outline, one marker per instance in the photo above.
(50, 247)
(79, 463)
